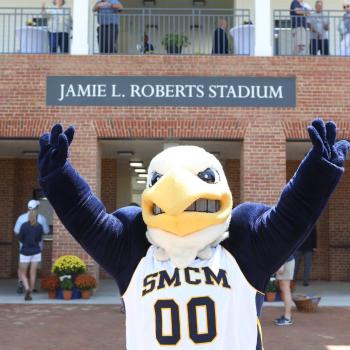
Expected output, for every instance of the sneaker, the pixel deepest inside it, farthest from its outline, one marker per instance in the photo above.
(28, 296)
(283, 321)
(305, 284)
(279, 318)
(20, 287)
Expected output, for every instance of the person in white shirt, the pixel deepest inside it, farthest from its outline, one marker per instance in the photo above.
(318, 22)
(59, 23)
(344, 30)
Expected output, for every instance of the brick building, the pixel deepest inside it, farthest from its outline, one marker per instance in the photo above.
(259, 147)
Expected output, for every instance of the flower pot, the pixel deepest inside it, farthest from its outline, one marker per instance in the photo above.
(270, 296)
(76, 294)
(52, 294)
(67, 294)
(86, 294)
(174, 49)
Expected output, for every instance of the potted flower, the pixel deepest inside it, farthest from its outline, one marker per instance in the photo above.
(85, 283)
(50, 283)
(67, 286)
(174, 43)
(271, 289)
(68, 265)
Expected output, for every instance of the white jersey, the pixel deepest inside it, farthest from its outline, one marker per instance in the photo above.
(208, 305)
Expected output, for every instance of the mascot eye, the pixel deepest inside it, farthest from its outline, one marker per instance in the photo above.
(155, 177)
(210, 176)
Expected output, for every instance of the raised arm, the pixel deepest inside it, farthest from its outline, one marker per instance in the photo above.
(114, 241)
(268, 236)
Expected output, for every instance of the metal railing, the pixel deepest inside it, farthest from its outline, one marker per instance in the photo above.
(29, 30)
(311, 34)
(172, 31)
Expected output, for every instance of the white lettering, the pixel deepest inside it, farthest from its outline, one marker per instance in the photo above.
(160, 91)
(200, 91)
(240, 91)
(135, 90)
(62, 93)
(70, 91)
(147, 87)
(276, 94)
(114, 91)
(231, 92)
(212, 91)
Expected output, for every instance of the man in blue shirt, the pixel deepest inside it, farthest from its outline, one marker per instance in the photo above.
(108, 20)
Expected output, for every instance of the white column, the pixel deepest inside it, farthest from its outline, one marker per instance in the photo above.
(263, 28)
(81, 10)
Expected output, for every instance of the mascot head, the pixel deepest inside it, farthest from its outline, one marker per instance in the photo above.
(186, 205)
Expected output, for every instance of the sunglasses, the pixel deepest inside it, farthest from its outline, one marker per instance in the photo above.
(346, 7)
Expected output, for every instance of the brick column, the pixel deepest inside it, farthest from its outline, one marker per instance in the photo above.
(263, 162)
(339, 230)
(86, 158)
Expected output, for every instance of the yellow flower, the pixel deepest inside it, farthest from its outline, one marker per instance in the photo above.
(68, 264)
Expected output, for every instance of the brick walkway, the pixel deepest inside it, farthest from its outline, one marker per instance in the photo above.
(101, 327)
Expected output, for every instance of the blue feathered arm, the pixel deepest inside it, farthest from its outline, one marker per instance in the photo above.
(261, 238)
(113, 240)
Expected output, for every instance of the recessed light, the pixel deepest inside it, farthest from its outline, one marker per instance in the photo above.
(30, 153)
(135, 164)
(141, 181)
(125, 153)
(140, 170)
(143, 175)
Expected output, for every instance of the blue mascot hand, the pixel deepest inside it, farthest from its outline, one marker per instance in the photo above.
(323, 139)
(54, 149)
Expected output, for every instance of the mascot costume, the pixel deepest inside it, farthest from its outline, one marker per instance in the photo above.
(191, 270)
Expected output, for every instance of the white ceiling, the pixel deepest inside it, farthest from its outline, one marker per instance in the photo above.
(146, 149)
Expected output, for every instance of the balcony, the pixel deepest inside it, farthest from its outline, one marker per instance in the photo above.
(26, 30)
(144, 31)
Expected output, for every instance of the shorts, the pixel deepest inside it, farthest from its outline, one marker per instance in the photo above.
(26, 259)
(288, 271)
(299, 37)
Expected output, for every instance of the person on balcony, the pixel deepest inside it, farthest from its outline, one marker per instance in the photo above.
(318, 22)
(147, 46)
(108, 20)
(59, 23)
(298, 12)
(220, 42)
(344, 30)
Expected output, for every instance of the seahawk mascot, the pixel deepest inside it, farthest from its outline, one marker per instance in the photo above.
(191, 270)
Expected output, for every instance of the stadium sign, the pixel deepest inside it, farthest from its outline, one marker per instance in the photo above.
(170, 91)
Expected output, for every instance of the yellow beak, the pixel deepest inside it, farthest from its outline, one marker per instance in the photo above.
(174, 193)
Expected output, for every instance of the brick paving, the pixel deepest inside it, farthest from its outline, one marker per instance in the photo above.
(101, 327)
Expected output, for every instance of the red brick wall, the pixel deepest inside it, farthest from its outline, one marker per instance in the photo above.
(109, 184)
(19, 179)
(232, 171)
(322, 90)
(339, 230)
(108, 192)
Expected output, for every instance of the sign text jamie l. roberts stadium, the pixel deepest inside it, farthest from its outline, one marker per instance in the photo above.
(170, 91)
